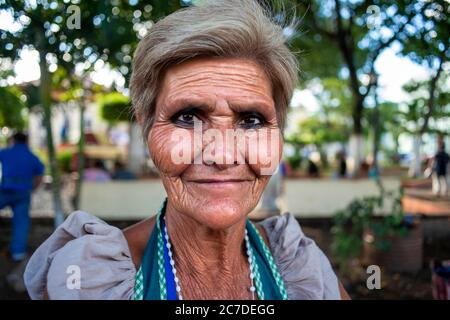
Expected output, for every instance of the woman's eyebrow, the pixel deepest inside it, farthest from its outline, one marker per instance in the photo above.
(259, 105)
(256, 106)
(187, 104)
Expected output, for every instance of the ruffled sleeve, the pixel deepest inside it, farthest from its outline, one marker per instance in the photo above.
(305, 269)
(86, 246)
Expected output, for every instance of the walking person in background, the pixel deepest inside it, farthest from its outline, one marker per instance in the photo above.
(342, 164)
(439, 165)
(121, 172)
(96, 172)
(21, 173)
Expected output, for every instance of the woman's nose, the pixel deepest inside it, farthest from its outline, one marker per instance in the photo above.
(221, 148)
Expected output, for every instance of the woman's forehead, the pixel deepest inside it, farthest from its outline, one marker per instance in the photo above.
(230, 78)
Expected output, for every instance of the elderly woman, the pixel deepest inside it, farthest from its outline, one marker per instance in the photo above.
(217, 68)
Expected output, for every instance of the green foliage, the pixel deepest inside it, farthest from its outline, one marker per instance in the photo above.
(332, 123)
(413, 112)
(317, 131)
(341, 39)
(389, 226)
(43, 156)
(12, 106)
(295, 160)
(360, 215)
(335, 98)
(349, 225)
(109, 30)
(114, 107)
(64, 159)
(428, 40)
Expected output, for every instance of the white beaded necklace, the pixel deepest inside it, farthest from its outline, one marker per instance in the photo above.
(174, 270)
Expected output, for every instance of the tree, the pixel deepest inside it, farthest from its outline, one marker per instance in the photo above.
(383, 120)
(116, 107)
(318, 131)
(429, 104)
(12, 106)
(428, 45)
(359, 31)
(66, 35)
(328, 125)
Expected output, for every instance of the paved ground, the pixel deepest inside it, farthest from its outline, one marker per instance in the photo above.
(41, 202)
(394, 285)
(423, 201)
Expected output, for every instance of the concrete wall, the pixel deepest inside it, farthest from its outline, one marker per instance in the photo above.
(139, 199)
(322, 197)
(304, 198)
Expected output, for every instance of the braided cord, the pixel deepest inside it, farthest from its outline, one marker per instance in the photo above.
(139, 285)
(139, 278)
(272, 264)
(255, 270)
(161, 269)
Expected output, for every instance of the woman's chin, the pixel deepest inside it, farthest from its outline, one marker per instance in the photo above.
(219, 214)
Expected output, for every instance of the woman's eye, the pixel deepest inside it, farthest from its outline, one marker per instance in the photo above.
(251, 122)
(185, 119)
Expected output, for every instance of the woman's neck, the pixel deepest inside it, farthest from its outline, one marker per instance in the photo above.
(208, 261)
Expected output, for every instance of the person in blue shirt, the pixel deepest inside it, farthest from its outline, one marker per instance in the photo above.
(21, 173)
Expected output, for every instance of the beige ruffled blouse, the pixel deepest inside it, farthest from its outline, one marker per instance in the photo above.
(100, 252)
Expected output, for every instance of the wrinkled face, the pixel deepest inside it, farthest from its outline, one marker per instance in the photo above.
(215, 138)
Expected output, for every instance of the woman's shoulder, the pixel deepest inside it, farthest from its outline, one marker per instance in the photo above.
(306, 271)
(84, 258)
(137, 236)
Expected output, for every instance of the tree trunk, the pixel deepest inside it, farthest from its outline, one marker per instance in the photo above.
(356, 154)
(415, 169)
(45, 89)
(136, 151)
(431, 98)
(376, 132)
(345, 43)
(396, 159)
(80, 158)
(375, 147)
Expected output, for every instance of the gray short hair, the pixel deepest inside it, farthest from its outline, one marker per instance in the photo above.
(220, 28)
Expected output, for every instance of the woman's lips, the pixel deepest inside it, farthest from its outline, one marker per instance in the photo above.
(220, 183)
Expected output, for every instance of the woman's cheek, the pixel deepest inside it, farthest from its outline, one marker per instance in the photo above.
(265, 148)
(170, 149)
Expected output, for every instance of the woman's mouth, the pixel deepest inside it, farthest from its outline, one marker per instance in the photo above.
(219, 183)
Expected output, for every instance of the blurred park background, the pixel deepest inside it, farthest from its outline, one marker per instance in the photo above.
(365, 122)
